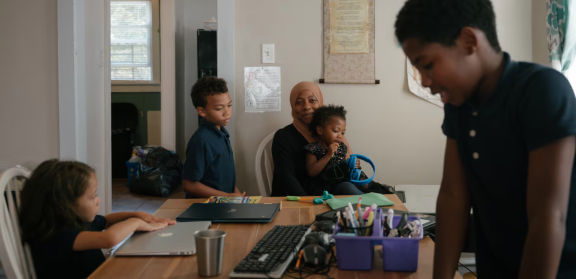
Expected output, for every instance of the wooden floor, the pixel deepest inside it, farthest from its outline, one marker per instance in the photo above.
(123, 200)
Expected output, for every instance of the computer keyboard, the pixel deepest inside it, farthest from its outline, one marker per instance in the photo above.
(273, 254)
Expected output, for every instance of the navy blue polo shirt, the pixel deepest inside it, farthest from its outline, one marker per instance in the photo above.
(532, 106)
(209, 159)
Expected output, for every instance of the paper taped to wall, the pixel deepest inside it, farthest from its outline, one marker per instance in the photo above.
(415, 86)
(262, 89)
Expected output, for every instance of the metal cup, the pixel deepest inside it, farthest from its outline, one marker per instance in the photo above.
(209, 251)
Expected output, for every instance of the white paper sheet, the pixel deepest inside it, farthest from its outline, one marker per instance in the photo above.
(415, 86)
(262, 89)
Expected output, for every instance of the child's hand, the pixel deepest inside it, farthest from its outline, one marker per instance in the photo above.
(149, 218)
(332, 148)
(148, 227)
(357, 163)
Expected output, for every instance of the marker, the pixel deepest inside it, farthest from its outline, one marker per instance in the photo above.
(390, 217)
(339, 219)
(353, 223)
(370, 222)
(346, 218)
(367, 212)
(358, 205)
(351, 209)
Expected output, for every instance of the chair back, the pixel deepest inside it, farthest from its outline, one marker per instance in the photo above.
(264, 150)
(15, 256)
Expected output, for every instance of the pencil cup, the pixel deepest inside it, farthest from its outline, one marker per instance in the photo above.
(209, 251)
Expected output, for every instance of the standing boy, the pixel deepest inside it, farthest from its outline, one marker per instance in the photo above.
(209, 168)
(510, 148)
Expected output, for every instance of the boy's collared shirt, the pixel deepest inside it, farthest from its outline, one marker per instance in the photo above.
(532, 106)
(209, 159)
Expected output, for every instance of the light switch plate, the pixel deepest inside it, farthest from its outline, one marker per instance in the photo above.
(267, 53)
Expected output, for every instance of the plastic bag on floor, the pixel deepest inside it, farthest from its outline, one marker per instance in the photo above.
(160, 173)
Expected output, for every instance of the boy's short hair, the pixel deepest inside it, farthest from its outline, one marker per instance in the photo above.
(322, 116)
(207, 86)
(441, 21)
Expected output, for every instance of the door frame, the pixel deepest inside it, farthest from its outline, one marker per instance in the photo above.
(79, 126)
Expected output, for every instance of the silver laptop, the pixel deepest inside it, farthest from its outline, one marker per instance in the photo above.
(174, 240)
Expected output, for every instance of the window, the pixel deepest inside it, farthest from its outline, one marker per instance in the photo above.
(134, 51)
(571, 75)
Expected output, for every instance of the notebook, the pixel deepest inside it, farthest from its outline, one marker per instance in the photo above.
(367, 200)
(245, 199)
(229, 212)
(177, 239)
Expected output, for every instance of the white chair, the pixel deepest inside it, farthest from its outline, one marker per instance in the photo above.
(16, 258)
(268, 167)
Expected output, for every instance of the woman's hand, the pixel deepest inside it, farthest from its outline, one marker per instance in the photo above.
(357, 163)
(149, 218)
(332, 148)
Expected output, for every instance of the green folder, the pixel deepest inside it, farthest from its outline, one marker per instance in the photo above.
(367, 200)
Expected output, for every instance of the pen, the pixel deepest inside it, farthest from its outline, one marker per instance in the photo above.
(299, 258)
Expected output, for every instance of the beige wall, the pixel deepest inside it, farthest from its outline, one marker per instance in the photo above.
(539, 37)
(396, 129)
(29, 79)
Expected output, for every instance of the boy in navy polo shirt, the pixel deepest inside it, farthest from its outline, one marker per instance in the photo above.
(209, 168)
(510, 147)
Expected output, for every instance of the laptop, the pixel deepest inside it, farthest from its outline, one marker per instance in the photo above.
(177, 239)
(229, 212)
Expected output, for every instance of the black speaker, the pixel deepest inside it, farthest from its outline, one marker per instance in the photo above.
(207, 53)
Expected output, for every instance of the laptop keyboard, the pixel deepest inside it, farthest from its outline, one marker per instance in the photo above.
(273, 253)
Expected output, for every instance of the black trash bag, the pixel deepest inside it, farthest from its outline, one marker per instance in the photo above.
(159, 175)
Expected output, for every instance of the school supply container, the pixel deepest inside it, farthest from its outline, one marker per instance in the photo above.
(398, 253)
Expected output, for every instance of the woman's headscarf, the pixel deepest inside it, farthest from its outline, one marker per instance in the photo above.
(298, 124)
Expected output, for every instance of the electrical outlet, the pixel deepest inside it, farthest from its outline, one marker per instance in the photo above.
(267, 53)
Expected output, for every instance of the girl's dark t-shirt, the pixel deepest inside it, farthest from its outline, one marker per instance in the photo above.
(55, 257)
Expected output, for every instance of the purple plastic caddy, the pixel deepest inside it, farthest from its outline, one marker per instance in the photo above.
(399, 254)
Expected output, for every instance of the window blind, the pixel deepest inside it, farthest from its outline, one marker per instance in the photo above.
(131, 40)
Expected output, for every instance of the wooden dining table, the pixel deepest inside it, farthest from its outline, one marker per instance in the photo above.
(242, 237)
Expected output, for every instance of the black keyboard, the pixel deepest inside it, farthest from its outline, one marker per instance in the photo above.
(273, 253)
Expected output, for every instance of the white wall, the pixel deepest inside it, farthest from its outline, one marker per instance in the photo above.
(29, 78)
(399, 131)
(190, 16)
